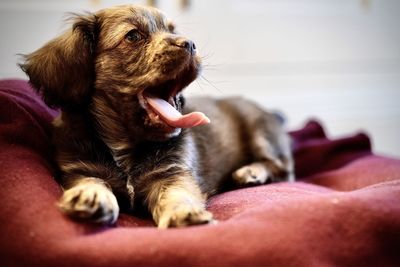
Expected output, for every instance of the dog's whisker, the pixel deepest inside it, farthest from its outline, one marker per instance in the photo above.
(210, 67)
(216, 82)
(210, 64)
(200, 86)
(206, 56)
(210, 83)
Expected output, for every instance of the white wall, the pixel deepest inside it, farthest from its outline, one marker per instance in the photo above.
(336, 60)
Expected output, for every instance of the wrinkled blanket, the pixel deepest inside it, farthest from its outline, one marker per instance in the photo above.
(344, 209)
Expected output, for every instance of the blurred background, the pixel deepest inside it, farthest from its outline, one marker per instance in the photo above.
(337, 61)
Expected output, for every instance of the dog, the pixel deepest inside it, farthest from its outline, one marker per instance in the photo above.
(127, 138)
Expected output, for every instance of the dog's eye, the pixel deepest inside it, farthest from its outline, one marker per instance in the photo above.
(133, 36)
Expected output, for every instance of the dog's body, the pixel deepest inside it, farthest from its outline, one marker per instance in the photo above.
(117, 77)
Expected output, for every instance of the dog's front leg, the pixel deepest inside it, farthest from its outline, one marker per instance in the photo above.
(176, 201)
(112, 130)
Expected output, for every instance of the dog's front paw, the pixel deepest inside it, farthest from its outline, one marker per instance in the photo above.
(92, 202)
(184, 215)
(253, 174)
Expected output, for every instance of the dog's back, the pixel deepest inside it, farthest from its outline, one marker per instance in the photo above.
(240, 133)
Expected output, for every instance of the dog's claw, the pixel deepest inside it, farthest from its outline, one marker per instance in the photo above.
(185, 215)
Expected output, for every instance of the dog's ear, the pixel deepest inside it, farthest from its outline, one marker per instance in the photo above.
(63, 69)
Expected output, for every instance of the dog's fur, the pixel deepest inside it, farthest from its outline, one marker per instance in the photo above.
(109, 147)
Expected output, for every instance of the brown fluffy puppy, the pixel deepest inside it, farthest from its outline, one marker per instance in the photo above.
(117, 77)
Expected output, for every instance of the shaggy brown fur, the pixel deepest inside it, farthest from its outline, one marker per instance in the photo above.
(109, 145)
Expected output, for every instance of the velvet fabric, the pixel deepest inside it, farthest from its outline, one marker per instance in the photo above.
(343, 210)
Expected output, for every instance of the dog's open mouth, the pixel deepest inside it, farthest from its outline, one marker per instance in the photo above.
(159, 103)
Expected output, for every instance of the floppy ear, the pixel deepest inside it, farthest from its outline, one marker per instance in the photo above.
(63, 69)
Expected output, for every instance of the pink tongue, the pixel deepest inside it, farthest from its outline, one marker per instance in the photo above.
(174, 118)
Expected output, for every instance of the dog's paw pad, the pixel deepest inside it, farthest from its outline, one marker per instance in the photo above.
(90, 202)
(184, 215)
(253, 174)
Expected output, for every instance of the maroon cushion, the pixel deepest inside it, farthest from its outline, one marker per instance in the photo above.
(343, 211)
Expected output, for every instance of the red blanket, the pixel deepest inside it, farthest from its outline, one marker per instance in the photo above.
(343, 211)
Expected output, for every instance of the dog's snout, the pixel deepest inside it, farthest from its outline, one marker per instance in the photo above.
(184, 43)
(188, 45)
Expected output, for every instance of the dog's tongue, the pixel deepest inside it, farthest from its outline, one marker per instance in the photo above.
(174, 118)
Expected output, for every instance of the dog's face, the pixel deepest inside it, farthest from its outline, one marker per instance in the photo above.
(124, 63)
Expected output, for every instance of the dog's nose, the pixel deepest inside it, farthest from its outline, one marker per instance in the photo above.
(186, 44)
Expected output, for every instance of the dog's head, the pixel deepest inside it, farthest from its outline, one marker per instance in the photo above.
(124, 63)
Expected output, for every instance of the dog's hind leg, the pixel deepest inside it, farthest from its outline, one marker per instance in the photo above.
(270, 149)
